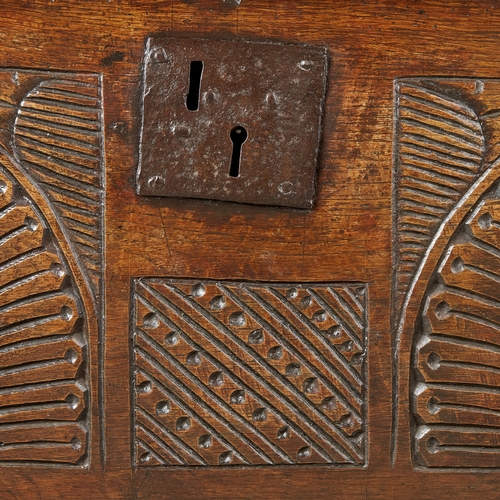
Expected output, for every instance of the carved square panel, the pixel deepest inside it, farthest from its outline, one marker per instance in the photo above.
(237, 373)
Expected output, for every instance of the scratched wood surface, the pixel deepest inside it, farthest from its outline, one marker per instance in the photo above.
(177, 348)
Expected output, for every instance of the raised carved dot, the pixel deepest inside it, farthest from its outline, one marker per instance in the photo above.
(434, 361)
(432, 445)
(3, 187)
(329, 403)
(151, 320)
(485, 221)
(347, 346)
(304, 452)
(310, 385)
(237, 397)
(216, 379)
(193, 358)
(162, 407)
(237, 319)
(292, 370)
(73, 401)
(66, 313)
(457, 266)
(319, 316)
(218, 303)
(226, 458)
(57, 270)
(198, 290)
(259, 415)
(306, 301)
(145, 387)
(357, 359)
(443, 310)
(145, 457)
(292, 293)
(183, 424)
(357, 437)
(256, 337)
(345, 421)
(171, 338)
(31, 224)
(71, 356)
(205, 441)
(275, 353)
(333, 332)
(283, 433)
(433, 406)
(76, 444)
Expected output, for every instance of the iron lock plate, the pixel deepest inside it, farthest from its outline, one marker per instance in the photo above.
(231, 120)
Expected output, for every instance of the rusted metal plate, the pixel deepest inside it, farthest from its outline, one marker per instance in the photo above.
(231, 120)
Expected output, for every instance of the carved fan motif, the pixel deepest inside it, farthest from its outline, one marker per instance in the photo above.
(440, 153)
(43, 339)
(57, 137)
(456, 363)
(446, 294)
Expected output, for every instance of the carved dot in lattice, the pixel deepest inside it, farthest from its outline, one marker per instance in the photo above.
(238, 397)
(237, 319)
(194, 358)
(218, 303)
(216, 379)
(275, 353)
(163, 407)
(205, 441)
(256, 337)
(183, 424)
(171, 338)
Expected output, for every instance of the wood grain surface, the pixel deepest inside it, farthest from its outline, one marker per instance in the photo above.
(262, 299)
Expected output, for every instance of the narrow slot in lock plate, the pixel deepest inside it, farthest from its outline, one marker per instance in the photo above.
(231, 120)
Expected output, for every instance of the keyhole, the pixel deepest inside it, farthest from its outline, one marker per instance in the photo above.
(193, 97)
(238, 137)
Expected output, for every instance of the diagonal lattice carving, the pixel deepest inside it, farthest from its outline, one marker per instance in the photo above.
(248, 374)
